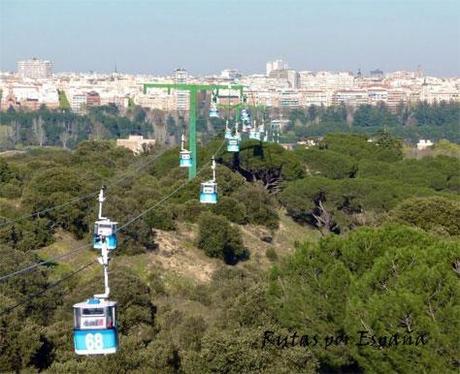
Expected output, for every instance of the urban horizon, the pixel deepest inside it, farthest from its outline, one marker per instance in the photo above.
(117, 69)
(280, 86)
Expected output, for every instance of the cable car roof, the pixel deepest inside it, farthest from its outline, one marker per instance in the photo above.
(95, 303)
(208, 183)
(106, 221)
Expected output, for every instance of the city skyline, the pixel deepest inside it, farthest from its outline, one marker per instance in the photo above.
(206, 37)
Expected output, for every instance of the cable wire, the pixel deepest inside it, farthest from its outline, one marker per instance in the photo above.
(55, 284)
(79, 198)
(44, 262)
(67, 254)
(47, 287)
(169, 195)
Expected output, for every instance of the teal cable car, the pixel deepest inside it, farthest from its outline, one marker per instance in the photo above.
(105, 230)
(95, 320)
(208, 189)
(95, 327)
(185, 156)
(213, 112)
(233, 143)
(228, 131)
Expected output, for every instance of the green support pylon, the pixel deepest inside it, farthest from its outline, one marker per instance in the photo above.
(192, 134)
(193, 89)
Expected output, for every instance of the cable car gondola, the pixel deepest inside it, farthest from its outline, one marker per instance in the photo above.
(95, 320)
(208, 189)
(104, 228)
(213, 112)
(233, 144)
(245, 115)
(228, 131)
(95, 330)
(185, 156)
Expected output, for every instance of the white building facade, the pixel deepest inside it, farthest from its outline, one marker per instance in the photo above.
(35, 69)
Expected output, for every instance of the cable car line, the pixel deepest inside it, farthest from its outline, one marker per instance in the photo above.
(169, 195)
(95, 319)
(82, 197)
(95, 322)
(49, 261)
(74, 200)
(47, 287)
(67, 254)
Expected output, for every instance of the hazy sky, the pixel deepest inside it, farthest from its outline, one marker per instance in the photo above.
(206, 36)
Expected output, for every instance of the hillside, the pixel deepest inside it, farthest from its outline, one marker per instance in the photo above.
(345, 236)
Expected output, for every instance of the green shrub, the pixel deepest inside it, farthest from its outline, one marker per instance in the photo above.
(218, 238)
(10, 190)
(190, 210)
(436, 214)
(161, 218)
(231, 209)
(260, 206)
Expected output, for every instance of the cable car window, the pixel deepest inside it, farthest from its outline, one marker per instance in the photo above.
(76, 318)
(208, 189)
(93, 312)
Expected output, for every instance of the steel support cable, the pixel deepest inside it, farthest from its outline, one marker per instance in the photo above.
(67, 254)
(44, 262)
(169, 195)
(48, 287)
(83, 197)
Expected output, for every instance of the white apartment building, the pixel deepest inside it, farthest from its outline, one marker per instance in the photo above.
(78, 102)
(350, 97)
(424, 144)
(438, 92)
(262, 97)
(377, 94)
(25, 91)
(275, 65)
(35, 69)
(230, 74)
(397, 96)
(326, 81)
(289, 99)
(182, 97)
(156, 99)
(314, 97)
(48, 95)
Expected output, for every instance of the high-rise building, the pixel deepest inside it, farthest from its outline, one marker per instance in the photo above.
(182, 97)
(35, 68)
(230, 74)
(291, 76)
(275, 65)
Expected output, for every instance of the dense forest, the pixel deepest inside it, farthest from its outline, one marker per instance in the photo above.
(343, 257)
(65, 129)
(409, 122)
